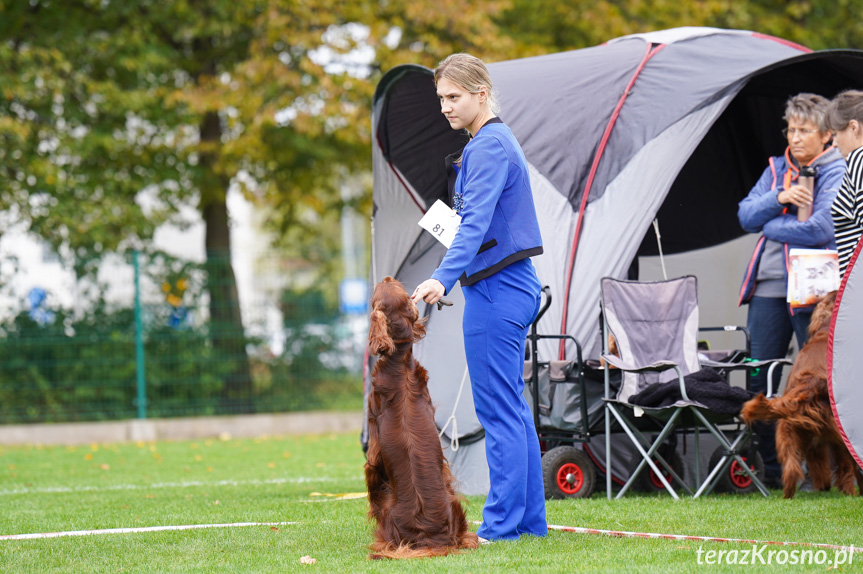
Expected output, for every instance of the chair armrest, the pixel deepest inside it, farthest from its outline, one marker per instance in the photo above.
(751, 365)
(742, 364)
(658, 366)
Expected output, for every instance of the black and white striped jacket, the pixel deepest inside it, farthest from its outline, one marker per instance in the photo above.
(847, 209)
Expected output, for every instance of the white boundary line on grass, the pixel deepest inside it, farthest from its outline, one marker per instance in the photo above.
(625, 534)
(576, 529)
(133, 530)
(187, 484)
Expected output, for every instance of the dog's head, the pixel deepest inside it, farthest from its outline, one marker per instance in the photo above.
(394, 318)
(822, 314)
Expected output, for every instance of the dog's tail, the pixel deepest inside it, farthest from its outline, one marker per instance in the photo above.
(759, 409)
(762, 409)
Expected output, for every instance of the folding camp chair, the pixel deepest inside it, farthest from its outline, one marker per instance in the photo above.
(655, 328)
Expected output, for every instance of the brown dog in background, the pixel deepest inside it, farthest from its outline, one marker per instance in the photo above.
(806, 429)
(410, 485)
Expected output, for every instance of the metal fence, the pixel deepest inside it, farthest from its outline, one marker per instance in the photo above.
(154, 336)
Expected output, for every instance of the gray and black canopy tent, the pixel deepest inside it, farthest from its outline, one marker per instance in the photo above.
(844, 367)
(674, 125)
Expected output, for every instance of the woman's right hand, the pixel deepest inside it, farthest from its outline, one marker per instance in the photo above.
(796, 195)
(430, 291)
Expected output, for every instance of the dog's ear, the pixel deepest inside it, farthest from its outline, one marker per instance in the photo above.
(419, 328)
(380, 342)
(822, 314)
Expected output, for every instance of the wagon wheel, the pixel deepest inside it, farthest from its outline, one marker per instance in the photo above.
(567, 473)
(734, 479)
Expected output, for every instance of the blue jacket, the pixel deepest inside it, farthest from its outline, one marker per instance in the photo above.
(493, 196)
(760, 211)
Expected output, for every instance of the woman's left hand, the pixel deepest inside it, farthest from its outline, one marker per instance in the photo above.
(797, 195)
(430, 291)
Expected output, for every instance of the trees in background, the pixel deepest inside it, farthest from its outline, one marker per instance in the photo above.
(542, 26)
(114, 115)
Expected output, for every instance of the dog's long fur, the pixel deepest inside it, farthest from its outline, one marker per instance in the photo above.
(411, 494)
(806, 429)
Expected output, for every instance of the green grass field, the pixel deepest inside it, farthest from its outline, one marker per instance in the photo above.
(288, 479)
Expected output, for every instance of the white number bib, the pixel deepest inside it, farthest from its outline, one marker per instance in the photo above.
(442, 222)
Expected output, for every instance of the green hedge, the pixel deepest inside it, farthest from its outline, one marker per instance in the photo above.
(84, 369)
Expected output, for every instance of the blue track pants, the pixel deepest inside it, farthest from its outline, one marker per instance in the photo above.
(498, 312)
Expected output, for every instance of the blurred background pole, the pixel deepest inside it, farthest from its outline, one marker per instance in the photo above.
(354, 287)
(353, 242)
(139, 342)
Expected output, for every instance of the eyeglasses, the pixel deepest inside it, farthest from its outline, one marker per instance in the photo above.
(791, 132)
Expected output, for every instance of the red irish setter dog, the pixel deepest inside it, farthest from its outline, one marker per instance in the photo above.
(410, 485)
(806, 429)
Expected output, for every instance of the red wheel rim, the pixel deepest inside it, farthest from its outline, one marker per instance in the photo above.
(570, 479)
(655, 479)
(739, 478)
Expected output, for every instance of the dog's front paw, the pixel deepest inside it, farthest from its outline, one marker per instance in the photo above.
(469, 540)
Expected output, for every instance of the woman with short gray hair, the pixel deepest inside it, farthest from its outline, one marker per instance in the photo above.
(771, 208)
(810, 108)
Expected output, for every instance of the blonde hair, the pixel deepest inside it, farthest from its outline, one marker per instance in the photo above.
(847, 106)
(469, 73)
(808, 108)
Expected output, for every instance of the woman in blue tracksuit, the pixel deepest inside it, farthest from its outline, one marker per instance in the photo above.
(771, 209)
(490, 254)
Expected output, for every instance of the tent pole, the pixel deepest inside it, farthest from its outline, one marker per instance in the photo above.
(659, 244)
